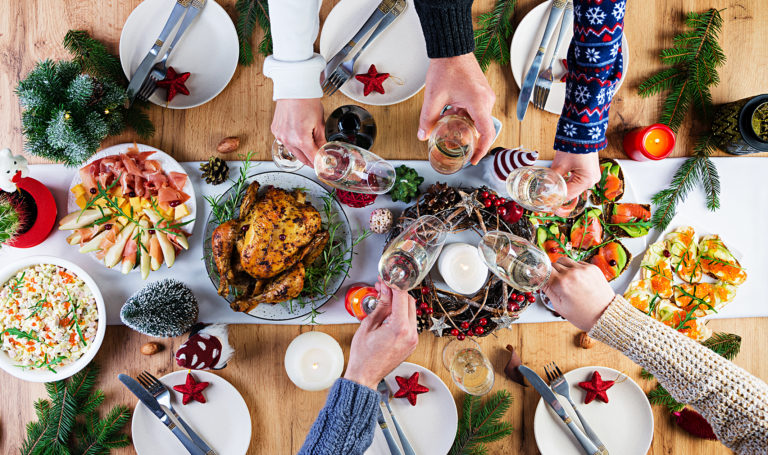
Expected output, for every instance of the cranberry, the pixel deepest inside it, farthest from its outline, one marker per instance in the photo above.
(503, 201)
(487, 203)
(483, 321)
(528, 294)
(93, 190)
(424, 306)
(470, 333)
(455, 332)
(418, 312)
(132, 194)
(424, 290)
(479, 330)
(174, 203)
(244, 227)
(282, 237)
(108, 227)
(520, 298)
(502, 211)
(429, 311)
(460, 336)
(531, 298)
(465, 325)
(492, 197)
(484, 195)
(497, 203)
(667, 253)
(553, 249)
(151, 232)
(612, 263)
(513, 307)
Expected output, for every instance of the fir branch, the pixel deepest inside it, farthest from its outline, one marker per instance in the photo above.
(727, 345)
(645, 374)
(661, 396)
(250, 13)
(493, 33)
(481, 423)
(93, 56)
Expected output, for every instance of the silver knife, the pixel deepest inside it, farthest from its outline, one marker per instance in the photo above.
(393, 448)
(154, 407)
(194, 10)
(550, 398)
(390, 17)
(533, 71)
(145, 66)
(384, 7)
(384, 394)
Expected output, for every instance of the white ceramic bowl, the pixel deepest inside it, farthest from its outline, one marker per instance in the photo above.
(42, 375)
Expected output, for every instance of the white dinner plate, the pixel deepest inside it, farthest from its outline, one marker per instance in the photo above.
(525, 44)
(168, 163)
(400, 50)
(624, 424)
(223, 422)
(208, 49)
(430, 425)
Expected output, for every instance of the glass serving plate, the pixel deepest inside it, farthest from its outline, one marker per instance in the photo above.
(290, 309)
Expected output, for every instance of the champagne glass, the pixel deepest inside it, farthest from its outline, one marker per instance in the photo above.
(470, 368)
(452, 143)
(518, 262)
(540, 189)
(343, 166)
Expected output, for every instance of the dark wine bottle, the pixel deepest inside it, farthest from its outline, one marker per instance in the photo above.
(351, 124)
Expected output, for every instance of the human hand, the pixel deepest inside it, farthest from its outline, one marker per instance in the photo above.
(584, 170)
(460, 82)
(378, 346)
(579, 292)
(298, 124)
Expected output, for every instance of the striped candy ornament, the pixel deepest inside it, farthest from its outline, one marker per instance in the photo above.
(506, 160)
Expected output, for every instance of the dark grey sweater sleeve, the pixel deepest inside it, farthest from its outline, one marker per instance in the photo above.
(447, 27)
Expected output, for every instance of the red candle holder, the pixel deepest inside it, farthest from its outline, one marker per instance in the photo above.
(651, 143)
(45, 217)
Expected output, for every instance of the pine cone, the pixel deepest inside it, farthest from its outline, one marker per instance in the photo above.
(422, 323)
(215, 171)
(441, 197)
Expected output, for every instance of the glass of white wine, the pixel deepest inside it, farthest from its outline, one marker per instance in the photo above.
(470, 368)
(452, 143)
(518, 262)
(540, 189)
(411, 255)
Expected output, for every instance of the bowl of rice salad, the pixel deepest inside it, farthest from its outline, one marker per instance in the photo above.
(52, 319)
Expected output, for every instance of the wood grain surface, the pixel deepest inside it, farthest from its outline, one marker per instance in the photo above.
(31, 30)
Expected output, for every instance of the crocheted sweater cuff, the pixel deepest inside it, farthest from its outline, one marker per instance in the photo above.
(447, 27)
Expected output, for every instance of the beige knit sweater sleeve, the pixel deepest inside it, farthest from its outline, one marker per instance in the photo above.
(733, 401)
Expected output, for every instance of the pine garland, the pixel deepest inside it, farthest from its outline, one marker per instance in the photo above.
(481, 424)
(492, 36)
(250, 13)
(68, 422)
(693, 60)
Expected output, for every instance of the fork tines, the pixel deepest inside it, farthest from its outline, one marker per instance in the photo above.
(333, 83)
(553, 371)
(149, 382)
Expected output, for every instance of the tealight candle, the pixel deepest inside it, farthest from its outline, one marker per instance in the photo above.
(313, 361)
(654, 142)
(462, 268)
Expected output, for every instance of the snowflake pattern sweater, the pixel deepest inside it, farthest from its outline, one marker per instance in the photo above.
(595, 65)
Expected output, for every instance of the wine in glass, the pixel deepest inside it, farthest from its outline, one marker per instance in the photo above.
(518, 262)
(452, 143)
(470, 368)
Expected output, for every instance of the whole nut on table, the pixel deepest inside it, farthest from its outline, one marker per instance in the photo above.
(151, 348)
(228, 144)
(584, 341)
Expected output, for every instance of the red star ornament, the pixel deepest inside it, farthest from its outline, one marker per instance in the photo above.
(174, 83)
(596, 388)
(565, 74)
(372, 80)
(409, 388)
(191, 390)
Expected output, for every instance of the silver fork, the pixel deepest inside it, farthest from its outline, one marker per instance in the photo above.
(345, 71)
(160, 392)
(560, 386)
(545, 78)
(159, 69)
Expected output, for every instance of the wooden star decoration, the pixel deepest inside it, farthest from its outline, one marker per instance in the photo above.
(503, 322)
(438, 325)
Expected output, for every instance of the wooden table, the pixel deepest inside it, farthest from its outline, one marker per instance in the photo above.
(281, 413)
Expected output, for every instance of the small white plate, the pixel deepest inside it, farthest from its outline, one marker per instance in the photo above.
(430, 425)
(525, 44)
(168, 163)
(624, 424)
(208, 49)
(400, 50)
(223, 422)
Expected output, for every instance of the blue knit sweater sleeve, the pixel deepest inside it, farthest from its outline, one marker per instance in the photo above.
(595, 65)
(346, 423)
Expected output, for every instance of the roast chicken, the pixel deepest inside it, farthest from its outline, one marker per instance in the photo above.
(262, 255)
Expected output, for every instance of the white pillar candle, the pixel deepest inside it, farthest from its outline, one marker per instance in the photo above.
(314, 360)
(462, 268)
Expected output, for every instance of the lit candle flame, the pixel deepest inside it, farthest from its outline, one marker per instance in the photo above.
(657, 140)
(314, 366)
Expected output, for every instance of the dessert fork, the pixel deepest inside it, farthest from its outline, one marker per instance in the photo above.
(560, 386)
(545, 78)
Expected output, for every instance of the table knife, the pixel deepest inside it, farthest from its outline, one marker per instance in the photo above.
(393, 448)
(550, 398)
(384, 394)
(145, 66)
(194, 9)
(526, 89)
(384, 7)
(154, 407)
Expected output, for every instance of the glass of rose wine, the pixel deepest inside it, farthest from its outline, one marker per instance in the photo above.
(518, 262)
(470, 368)
(540, 189)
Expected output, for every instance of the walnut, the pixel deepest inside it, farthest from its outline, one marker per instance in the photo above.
(151, 348)
(584, 341)
(228, 144)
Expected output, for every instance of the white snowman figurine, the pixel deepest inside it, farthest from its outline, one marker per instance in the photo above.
(10, 164)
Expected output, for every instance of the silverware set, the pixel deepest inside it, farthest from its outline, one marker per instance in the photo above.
(156, 397)
(590, 443)
(144, 81)
(538, 83)
(341, 67)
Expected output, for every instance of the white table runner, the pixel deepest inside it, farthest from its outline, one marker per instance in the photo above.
(741, 221)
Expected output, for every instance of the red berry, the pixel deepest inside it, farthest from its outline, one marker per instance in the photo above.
(479, 330)
(424, 290)
(455, 332)
(423, 306)
(418, 312)
(492, 196)
(513, 307)
(553, 250)
(460, 336)
(667, 253)
(483, 321)
(612, 263)
(503, 201)
(470, 333)
(502, 211)
(531, 298)
(520, 298)
(497, 203)
(528, 294)
(484, 195)
(487, 203)
(465, 325)
(429, 311)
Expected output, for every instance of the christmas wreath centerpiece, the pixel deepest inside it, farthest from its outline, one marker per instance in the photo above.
(496, 305)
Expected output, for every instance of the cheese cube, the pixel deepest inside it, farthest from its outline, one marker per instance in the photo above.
(81, 201)
(181, 211)
(78, 190)
(136, 204)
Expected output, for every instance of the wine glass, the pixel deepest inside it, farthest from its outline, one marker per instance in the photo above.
(540, 189)
(452, 143)
(343, 166)
(518, 262)
(470, 368)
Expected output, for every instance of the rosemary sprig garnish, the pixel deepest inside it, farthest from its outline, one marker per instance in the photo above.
(21, 334)
(223, 211)
(75, 322)
(37, 306)
(720, 261)
(17, 284)
(652, 304)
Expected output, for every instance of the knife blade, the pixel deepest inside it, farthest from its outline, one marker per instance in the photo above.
(530, 78)
(384, 394)
(550, 398)
(393, 448)
(141, 73)
(194, 9)
(154, 407)
(384, 7)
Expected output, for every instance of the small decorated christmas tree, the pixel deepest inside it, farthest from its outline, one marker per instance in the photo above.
(165, 308)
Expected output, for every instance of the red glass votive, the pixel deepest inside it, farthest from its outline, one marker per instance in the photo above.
(654, 142)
